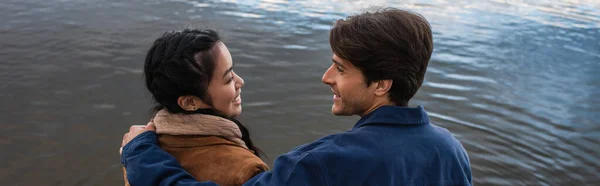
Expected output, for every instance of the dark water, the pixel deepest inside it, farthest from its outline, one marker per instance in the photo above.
(517, 83)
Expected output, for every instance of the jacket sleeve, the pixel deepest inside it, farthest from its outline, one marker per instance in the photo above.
(292, 170)
(147, 164)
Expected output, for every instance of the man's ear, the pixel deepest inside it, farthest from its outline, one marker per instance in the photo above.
(190, 103)
(382, 87)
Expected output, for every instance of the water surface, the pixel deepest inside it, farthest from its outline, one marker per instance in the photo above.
(517, 83)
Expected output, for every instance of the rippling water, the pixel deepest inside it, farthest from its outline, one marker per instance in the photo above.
(518, 83)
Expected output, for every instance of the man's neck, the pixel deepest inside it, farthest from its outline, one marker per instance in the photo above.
(376, 105)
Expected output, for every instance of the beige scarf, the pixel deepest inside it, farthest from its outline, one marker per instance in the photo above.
(197, 124)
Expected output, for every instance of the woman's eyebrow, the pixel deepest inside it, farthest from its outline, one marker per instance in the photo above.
(228, 71)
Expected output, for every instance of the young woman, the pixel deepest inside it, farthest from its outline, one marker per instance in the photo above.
(190, 76)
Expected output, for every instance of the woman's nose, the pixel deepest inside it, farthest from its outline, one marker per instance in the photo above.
(239, 81)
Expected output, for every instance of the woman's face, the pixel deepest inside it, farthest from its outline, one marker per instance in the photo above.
(225, 86)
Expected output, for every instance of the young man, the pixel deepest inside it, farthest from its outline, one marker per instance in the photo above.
(379, 61)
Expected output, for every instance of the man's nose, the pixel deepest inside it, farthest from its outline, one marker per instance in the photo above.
(327, 76)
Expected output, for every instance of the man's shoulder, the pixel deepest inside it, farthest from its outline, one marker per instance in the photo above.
(342, 145)
(346, 147)
(317, 144)
(444, 135)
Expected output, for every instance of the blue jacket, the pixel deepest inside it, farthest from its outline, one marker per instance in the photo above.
(389, 146)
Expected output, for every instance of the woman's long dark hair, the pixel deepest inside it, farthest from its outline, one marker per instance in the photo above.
(181, 63)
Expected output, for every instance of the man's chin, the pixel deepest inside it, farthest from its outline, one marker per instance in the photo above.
(338, 111)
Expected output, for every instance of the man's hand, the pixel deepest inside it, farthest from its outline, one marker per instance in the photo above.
(134, 131)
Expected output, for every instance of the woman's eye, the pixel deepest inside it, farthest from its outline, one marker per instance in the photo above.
(339, 69)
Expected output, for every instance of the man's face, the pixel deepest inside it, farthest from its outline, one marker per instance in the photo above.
(351, 95)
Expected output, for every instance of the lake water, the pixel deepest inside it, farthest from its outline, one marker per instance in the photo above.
(518, 83)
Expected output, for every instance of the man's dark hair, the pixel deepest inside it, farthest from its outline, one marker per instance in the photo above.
(386, 44)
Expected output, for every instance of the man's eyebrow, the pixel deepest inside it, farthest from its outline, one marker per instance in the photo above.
(228, 71)
(337, 63)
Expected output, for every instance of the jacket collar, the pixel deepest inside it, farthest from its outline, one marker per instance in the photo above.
(197, 124)
(395, 115)
(187, 141)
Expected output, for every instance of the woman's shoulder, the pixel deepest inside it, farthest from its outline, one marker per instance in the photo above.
(215, 158)
(210, 150)
(238, 156)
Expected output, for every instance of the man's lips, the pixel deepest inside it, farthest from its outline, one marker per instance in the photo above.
(335, 95)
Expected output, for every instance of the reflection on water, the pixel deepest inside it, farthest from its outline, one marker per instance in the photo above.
(516, 82)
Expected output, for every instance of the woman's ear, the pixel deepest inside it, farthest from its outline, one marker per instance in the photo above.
(191, 103)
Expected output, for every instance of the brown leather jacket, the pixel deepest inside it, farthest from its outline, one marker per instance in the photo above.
(212, 158)
(207, 147)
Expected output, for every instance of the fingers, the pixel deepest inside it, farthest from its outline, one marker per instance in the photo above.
(151, 127)
(134, 131)
(124, 142)
(136, 127)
